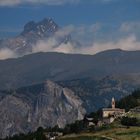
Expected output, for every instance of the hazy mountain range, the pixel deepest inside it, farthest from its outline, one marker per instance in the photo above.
(35, 68)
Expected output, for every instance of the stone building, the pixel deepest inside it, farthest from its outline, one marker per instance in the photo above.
(112, 112)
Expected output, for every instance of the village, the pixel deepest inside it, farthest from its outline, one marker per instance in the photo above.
(108, 117)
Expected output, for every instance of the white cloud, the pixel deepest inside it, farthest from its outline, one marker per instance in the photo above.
(47, 2)
(85, 34)
(130, 43)
(85, 29)
(80, 29)
(6, 53)
(9, 2)
(52, 2)
(53, 44)
(66, 30)
(48, 46)
(127, 41)
(130, 26)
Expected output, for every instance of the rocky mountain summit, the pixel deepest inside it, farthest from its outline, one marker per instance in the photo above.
(44, 28)
(32, 33)
(26, 109)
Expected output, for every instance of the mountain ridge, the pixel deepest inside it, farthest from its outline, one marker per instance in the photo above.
(59, 66)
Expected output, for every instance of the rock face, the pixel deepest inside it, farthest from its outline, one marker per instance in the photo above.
(24, 111)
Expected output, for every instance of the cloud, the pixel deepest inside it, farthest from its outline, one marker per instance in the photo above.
(50, 2)
(6, 53)
(85, 34)
(47, 2)
(129, 43)
(54, 43)
(80, 29)
(48, 46)
(9, 2)
(130, 26)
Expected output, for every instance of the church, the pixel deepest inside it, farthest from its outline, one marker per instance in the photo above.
(112, 112)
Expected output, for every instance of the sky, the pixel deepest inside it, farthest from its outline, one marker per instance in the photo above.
(88, 21)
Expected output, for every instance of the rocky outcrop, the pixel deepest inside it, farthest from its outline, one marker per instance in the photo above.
(54, 105)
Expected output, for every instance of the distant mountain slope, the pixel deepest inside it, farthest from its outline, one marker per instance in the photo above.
(43, 105)
(98, 93)
(35, 68)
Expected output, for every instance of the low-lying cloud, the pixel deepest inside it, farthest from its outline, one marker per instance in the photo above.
(7, 53)
(130, 26)
(48, 2)
(129, 43)
(9, 2)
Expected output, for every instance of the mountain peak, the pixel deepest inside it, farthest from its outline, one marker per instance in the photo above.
(45, 27)
(29, 26)
(34, 32)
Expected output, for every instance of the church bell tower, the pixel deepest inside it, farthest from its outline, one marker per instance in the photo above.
(113, 103)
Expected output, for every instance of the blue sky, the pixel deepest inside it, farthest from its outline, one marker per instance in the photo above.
(109, 15)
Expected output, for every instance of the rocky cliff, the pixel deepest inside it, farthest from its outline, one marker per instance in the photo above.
(24, 110)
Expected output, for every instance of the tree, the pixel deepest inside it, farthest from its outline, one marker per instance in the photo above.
(129, 121)
(39, 135)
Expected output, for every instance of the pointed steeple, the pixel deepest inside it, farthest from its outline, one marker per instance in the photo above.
(113, 103)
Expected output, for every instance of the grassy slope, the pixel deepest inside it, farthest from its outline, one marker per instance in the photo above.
(115, 131)
(132, 133)
(135, 115)
(85, 137)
